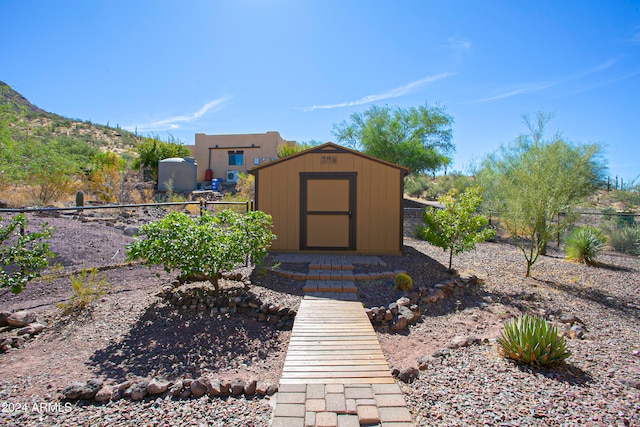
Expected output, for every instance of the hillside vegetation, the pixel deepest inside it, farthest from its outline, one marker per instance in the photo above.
(45, 158)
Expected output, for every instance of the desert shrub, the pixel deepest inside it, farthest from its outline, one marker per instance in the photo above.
(51, 186)
(608, 213)
(245, 186)
(625, 240)
(22, 253)
(533, 341)
(444, 184)
(416, 185)
(403, 282)
(205, 246)
(625, 219)
(87, 286)
(584, 244)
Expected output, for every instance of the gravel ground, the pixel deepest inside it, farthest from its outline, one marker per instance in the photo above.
(129, 332)
(599, 385)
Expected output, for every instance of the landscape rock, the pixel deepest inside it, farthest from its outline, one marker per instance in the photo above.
(265, 388)
(462, 341)
(104, 394)
(199, 387)
(403, 302)
(73, 390)
(176, 388)
(20, 319)
(90, 388)
(137, 391)
(408, 375)
(31, 329)
(3, 318)
(237, 387)
(435, 295)
(425, 361)
(157, 386)
(250, 387)
(400, 324)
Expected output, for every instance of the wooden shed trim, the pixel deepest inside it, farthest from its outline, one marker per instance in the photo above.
(329, 147)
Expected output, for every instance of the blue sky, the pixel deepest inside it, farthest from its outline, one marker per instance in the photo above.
(301, 66)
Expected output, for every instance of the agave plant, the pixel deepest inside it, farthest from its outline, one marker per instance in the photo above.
(584, 244)
(533, 341)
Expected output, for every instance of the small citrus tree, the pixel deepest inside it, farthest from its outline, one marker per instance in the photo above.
(206, 246)
(456, 227)
(23, 253)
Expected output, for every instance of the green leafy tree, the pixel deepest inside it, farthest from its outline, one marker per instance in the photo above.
(531, 182)
(291, 147)
(416, 138)
(22, 253)
(152, 150)
(206, 246)
(456, 227)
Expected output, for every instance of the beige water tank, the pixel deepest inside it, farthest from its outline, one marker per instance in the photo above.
(179, 173)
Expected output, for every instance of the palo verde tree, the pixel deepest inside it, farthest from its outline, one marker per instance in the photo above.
(530, 183)
(23, 253)
(203, 248)
(416, 138)
(152, 150)
(457, 227)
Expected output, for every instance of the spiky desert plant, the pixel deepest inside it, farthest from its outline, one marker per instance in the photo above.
(625, 240)
(584, 244)
(403, 282)
(533, 341)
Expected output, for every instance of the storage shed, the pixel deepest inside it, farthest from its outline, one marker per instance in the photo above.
(332, 199)
(181, 172)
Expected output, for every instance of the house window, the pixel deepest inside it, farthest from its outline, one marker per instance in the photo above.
(235, 158)
(256, 161)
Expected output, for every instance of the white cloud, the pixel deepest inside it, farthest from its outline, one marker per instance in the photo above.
(536, 87)
(393, 93)
(460, 43)
(172, 123)
(528, 88)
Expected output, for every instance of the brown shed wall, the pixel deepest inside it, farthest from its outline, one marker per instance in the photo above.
(378, 213)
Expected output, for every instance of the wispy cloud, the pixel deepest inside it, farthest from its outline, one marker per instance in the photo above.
(635, 37)
(174, 122)
(539, 86)
(459, 43)
(393, 93)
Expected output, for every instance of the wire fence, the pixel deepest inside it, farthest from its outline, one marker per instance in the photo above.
(97, 236)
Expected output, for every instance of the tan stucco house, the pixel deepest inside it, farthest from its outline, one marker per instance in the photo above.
(224, 156)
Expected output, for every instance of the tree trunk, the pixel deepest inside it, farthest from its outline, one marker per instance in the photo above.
(450, 260)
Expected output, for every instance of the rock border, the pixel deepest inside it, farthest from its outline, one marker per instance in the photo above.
(136, 389)
(26, 325)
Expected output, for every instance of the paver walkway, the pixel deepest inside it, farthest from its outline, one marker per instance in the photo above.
(335, 374)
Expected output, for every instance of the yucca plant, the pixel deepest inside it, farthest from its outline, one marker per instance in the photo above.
(584, 244)
(533, 341)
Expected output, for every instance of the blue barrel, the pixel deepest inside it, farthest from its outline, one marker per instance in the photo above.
(214, 184)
